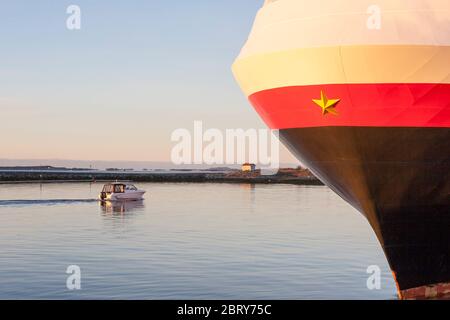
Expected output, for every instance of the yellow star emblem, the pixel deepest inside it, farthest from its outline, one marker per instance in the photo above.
(327, 105)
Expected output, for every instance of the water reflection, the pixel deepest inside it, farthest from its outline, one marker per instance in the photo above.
(250, 191)
(248, 186)
(121, 208)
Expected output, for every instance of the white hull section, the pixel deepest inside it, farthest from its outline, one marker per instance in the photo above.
(129, 196)
(282, 25)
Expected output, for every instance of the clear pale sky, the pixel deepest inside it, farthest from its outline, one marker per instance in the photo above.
(117, 88)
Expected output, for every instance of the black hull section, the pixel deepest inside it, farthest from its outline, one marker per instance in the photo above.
(399, 178)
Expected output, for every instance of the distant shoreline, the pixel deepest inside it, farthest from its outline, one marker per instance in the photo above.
(285, 176)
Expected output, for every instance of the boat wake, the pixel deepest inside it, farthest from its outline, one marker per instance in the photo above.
(42, 202)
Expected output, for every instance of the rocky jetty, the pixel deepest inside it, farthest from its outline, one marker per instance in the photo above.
(292, 176)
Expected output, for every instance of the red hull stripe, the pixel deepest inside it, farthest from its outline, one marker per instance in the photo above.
(363, 105)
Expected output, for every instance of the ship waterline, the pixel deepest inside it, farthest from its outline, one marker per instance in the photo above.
(369, 113)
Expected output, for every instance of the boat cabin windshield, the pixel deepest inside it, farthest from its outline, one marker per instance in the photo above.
(118, 188)
(114, 188)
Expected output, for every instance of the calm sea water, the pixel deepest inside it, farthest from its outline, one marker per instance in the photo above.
(187, 241)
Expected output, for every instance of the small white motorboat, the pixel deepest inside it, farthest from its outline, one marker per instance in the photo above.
(121, 192)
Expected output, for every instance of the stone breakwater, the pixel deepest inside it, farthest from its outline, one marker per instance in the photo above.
(302, 177)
